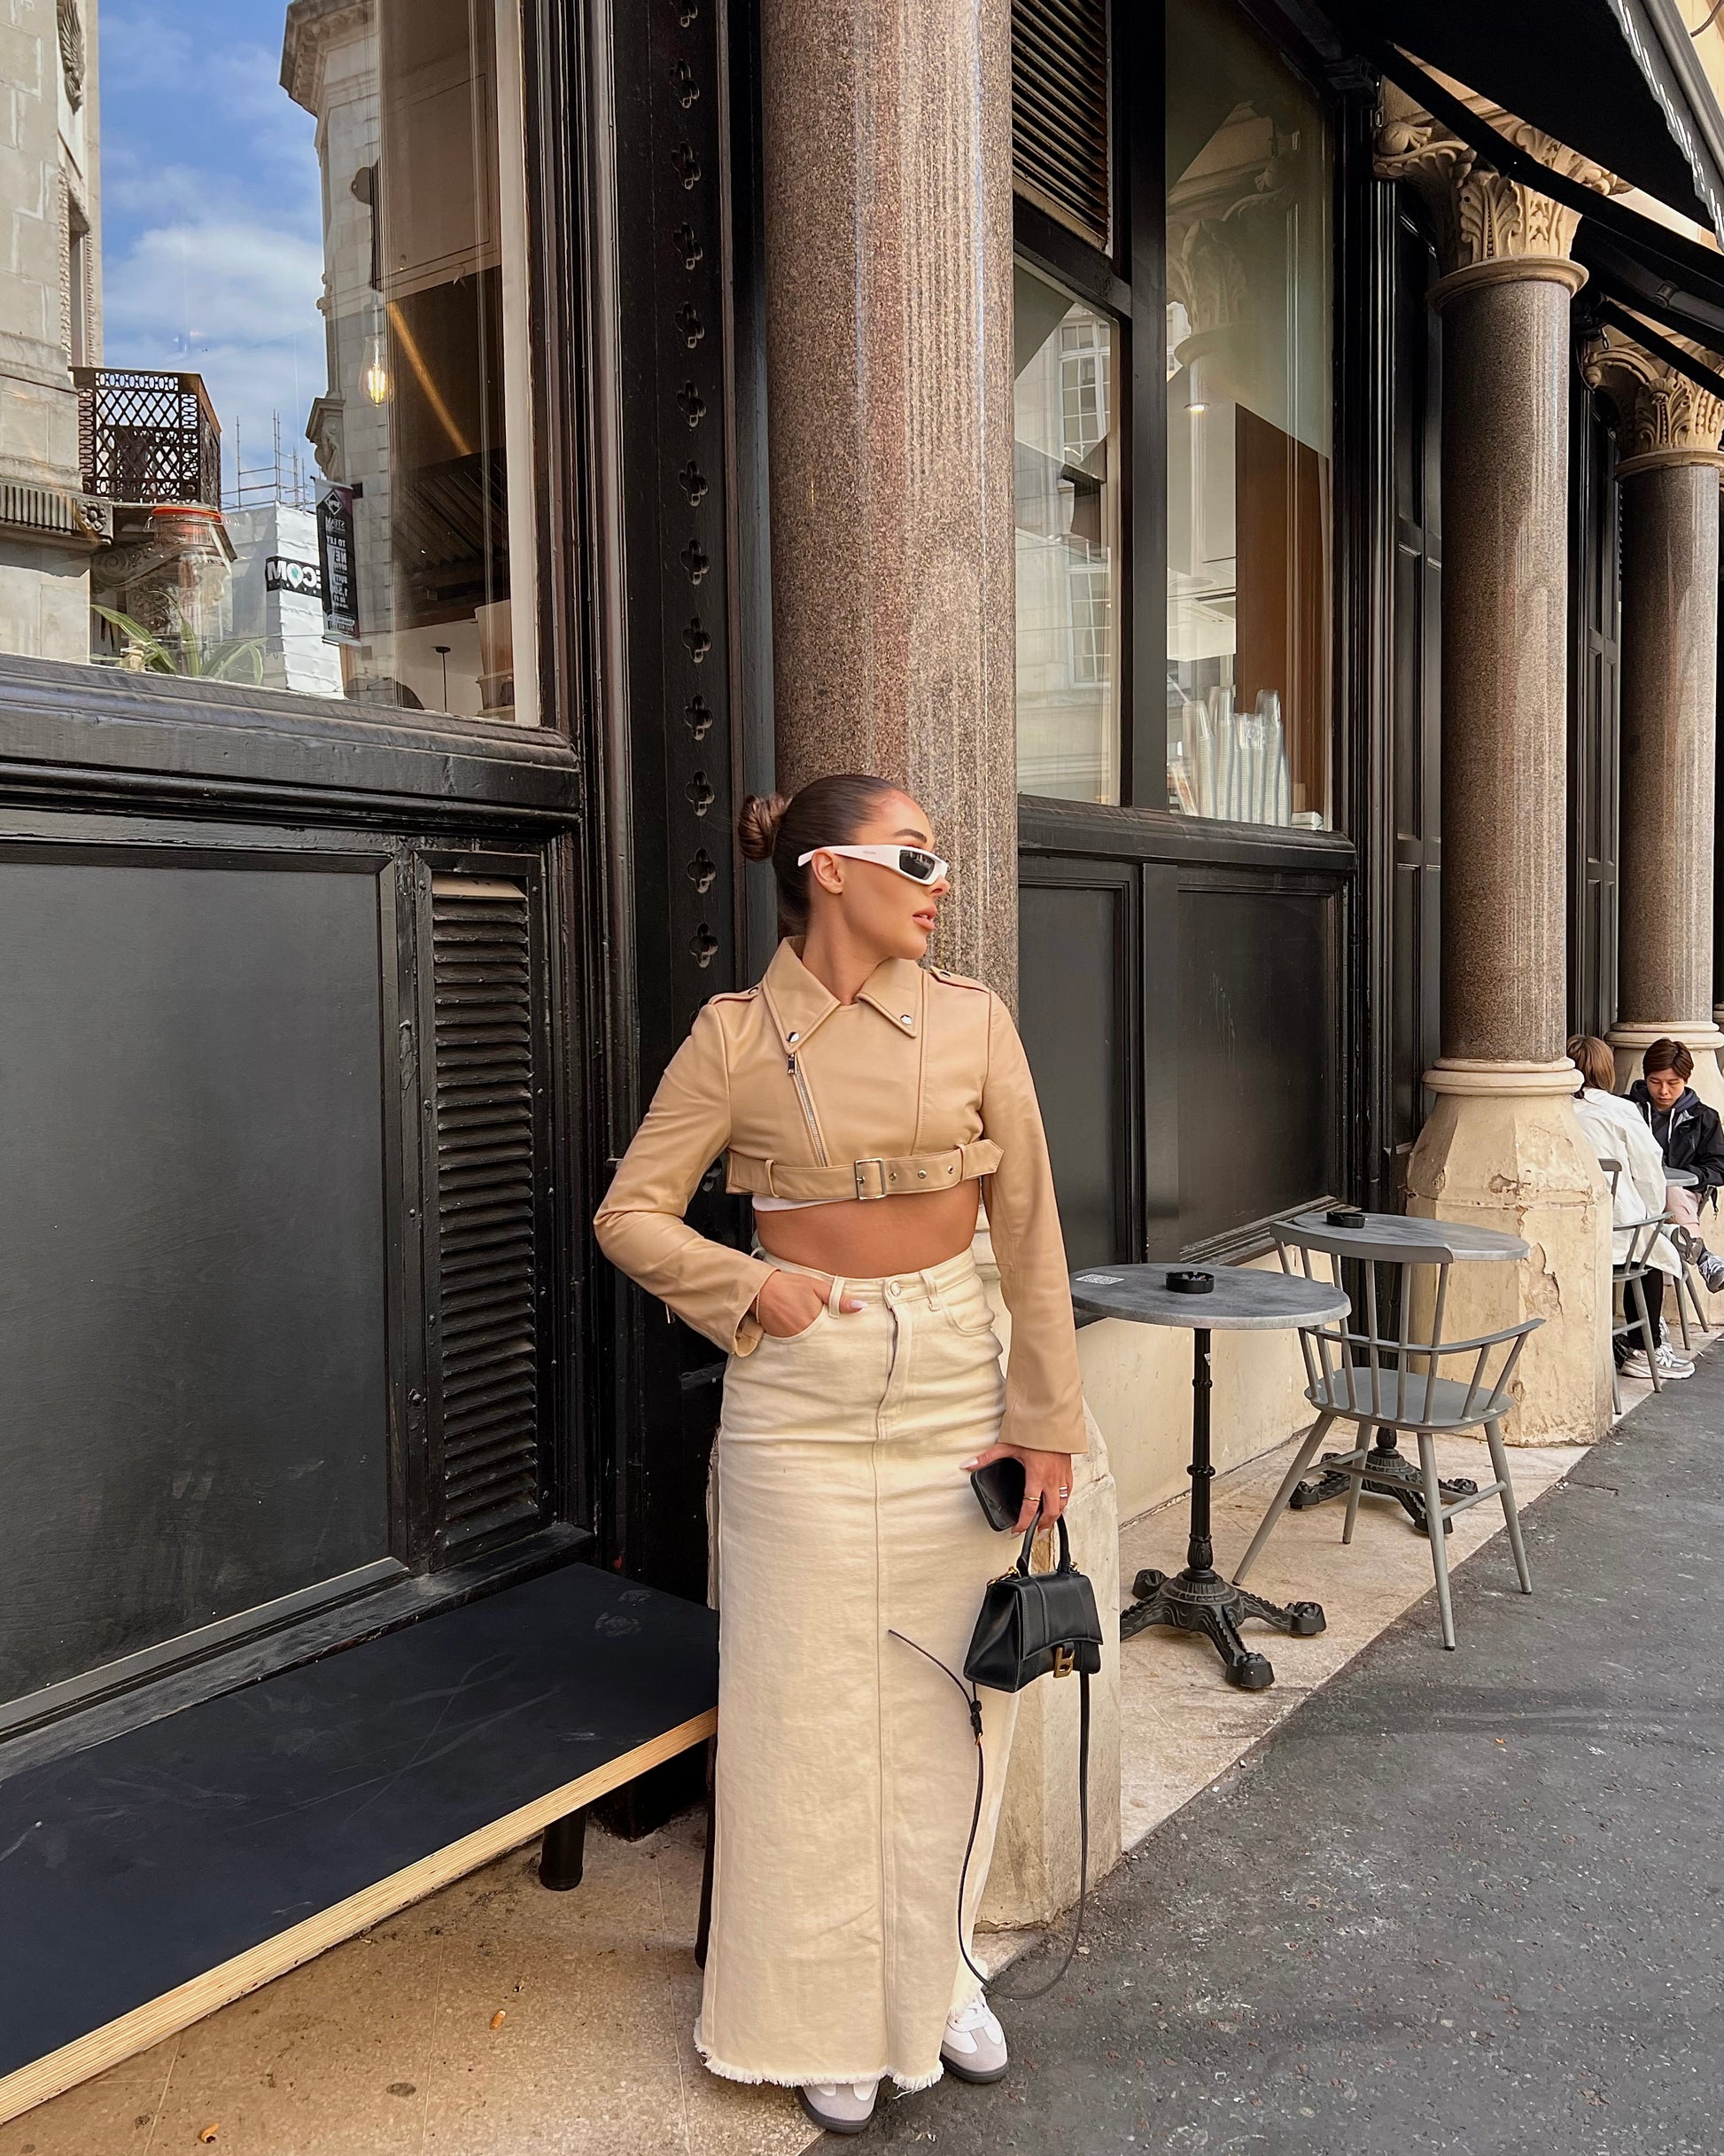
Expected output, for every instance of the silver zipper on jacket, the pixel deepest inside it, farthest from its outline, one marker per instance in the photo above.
(801, 1084)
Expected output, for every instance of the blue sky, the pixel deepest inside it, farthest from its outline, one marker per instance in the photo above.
(212, 226)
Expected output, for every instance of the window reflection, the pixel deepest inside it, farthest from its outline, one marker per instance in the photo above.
(1066, 486)
(1249, 388)
(271, 351)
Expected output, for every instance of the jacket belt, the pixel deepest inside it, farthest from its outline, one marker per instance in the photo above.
(874, 1178)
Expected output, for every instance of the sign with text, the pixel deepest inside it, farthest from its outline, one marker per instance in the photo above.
(282, 575)
(335, 555)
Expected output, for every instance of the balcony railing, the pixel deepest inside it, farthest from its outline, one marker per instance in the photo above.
(147, 436)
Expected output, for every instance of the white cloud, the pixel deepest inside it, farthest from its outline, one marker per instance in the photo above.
(233, 301)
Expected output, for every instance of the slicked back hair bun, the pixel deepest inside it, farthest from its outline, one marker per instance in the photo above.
(827, 811)
(756, 828)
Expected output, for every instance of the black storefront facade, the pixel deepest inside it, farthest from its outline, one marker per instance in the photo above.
(326, 1016)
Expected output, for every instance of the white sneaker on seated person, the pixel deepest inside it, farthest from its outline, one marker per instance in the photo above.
(1671, 1364)
(974, 2047)
(842, 2107)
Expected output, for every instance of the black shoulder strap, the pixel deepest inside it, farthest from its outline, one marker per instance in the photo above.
(975, 1704)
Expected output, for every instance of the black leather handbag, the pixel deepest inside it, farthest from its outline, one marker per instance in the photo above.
(1032, 1624)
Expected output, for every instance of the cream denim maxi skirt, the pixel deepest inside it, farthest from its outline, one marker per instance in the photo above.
(846, 1769)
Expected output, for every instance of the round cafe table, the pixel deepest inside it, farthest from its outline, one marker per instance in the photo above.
(1198, 1600)
(1392, 1474)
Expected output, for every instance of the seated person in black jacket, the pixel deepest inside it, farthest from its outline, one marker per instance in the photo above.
(1690, 1136)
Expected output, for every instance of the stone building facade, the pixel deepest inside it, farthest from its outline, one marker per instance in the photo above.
(51, 321)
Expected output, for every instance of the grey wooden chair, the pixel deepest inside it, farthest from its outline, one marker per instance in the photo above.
(1628, 1278)
(1378, 1375)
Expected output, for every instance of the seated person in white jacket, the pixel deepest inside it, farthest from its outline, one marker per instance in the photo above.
(1617, 1131)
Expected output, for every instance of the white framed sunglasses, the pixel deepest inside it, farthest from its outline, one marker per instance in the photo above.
(913, 861)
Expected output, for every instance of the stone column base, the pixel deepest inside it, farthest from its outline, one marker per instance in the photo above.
(1504, 1149)
(1699, 1036)
(1035, 1874)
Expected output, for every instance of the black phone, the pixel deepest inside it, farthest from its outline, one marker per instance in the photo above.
(999, 1488)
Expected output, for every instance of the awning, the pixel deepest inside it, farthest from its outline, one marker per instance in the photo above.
(1615, 80)
(1544, 60)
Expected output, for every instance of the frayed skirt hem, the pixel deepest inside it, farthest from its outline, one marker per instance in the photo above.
(906, 2084)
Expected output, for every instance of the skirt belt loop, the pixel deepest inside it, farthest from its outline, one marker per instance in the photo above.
(837, 1294)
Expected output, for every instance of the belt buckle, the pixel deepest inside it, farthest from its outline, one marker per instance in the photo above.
(1064, 1659)
(878, 1165)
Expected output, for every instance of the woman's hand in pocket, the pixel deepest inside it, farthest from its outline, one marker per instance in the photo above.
(788, 1302)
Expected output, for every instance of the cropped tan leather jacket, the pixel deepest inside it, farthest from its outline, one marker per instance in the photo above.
(922, 1082)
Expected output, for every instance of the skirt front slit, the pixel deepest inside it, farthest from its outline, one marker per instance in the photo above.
(846, 1766)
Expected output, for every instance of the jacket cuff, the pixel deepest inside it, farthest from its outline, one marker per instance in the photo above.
(1035, 1431)
(746, 1328)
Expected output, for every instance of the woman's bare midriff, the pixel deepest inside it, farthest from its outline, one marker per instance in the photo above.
(864, 1239)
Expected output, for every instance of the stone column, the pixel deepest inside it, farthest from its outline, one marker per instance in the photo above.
(887, 160)
(1669, 476)
(1502, 1147)
(888, 167)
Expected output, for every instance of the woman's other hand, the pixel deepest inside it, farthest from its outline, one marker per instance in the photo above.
(788, 1302)
(1046, 1475)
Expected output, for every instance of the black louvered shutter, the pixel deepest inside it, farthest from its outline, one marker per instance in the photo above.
(486, 1422)
(1059, 112)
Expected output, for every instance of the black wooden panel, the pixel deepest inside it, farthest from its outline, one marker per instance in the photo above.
(1073, 975)
(192, 1274)
(673, 254)
(1260, 1072)
(139, 1864)
(1415, 742)
(486, 1408)
(1595, 726)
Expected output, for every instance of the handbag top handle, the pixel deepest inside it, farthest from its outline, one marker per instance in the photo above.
(1030, 1533)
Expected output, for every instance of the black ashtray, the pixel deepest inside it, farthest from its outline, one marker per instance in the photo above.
(1345, 1216)
(1190, 1283)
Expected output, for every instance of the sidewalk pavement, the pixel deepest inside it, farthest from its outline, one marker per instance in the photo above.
(1469, 1902)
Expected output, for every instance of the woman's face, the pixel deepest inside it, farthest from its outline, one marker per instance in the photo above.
(883, 908)
(1663, 1088)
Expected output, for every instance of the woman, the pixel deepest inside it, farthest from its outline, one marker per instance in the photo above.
(1616, 1133)
(862, 1099)
(1689, 1134)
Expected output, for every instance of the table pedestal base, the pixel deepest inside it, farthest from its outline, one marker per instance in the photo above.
(1201, 1600)
(1390, 1474)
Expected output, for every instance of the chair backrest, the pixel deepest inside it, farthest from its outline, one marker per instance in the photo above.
(1370, 1367)
(1641, 1234)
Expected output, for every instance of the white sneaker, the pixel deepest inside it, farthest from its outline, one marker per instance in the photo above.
(1670, 1365)
(841, 2107)
(974, 2047)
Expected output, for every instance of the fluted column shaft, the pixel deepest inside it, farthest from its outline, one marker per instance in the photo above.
(889, 312)
(1669, 694)
(1502, 1147)
(1504, 659)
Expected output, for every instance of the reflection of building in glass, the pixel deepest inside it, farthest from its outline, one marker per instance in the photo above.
(278, 596)
(1249, 402)
(51, 321)
(412, 420)
(1065, 498)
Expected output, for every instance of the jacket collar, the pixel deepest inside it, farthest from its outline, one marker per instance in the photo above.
(799, 1003)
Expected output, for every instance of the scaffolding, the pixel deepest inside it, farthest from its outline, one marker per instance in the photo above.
(284, 478)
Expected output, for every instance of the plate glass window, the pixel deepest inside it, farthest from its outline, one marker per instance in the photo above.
(1250, 426)
(271, 393)
(1066, 491)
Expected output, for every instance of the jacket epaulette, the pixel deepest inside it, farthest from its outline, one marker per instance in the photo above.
(734, 995)
(956, 980)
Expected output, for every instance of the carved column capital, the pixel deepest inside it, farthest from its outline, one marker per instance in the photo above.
(1666, 418)
(1484, 222)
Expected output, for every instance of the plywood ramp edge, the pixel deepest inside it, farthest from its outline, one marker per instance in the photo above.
(189, 2002)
